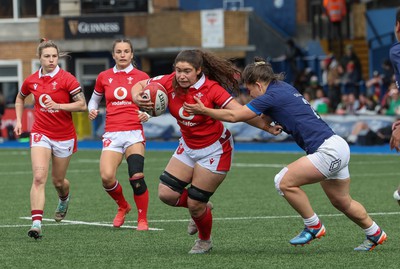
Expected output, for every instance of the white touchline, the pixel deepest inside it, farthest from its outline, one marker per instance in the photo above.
(77, 222)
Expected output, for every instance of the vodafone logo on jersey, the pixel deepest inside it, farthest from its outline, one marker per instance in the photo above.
(184, 115)
(186, 118)
(43, 98)
(120, 93)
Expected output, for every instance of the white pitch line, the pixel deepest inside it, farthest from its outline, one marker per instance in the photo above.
(77, 222)
(72, 222)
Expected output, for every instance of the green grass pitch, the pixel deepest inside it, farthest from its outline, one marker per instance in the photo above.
(252, 223)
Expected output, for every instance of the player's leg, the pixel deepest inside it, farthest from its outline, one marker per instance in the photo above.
(203, 186)
(109, 162)
(288, 183)
(40, 157)
(135, 159)
(396, 195)
(62, 152)
(337, 191)
(173, 181)
(59, 171)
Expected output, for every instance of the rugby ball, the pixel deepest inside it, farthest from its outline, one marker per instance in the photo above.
(158, 96)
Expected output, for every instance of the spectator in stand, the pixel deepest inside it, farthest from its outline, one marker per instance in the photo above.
(293, 56)
(392, 104)
(351, 56)
(302, 80)
(331, 78)
(348, 106)
(350, 80)
(336, 11)
(363, 134)
(387, 77)
(320, 103)
(375, 86)
(367, 105)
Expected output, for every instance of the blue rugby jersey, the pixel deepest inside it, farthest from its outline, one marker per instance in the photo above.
(395, 59)
(287, 107)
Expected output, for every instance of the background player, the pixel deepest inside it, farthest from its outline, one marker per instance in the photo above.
(53, 133)
(123, 132)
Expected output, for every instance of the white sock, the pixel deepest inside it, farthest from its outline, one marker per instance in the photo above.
(372, 230)
(396, 195)
(37, 222)
(313, 221)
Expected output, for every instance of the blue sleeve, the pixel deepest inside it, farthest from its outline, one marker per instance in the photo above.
(252, 108)
(395, 59)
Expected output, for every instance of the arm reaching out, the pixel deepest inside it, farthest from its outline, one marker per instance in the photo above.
(234, 112)
(395, 138)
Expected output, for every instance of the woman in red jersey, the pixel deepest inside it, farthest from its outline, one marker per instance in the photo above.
(205, 149)
(123, 132)
(53, 133)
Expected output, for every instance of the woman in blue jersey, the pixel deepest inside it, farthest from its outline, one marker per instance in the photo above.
(327, 156)
(395, 59)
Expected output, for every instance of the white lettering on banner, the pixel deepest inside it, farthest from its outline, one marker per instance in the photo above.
(90, 28)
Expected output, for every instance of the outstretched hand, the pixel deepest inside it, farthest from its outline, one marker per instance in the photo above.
(272, 127)
(142, 100)
(395, 138)
(196, 108)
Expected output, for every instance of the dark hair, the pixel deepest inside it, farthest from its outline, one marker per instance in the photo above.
(45, 43)
(398, 16)
(122, 40)
(260, 70)
(215, 68)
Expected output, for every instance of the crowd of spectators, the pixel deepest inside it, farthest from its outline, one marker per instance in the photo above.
(340, 88)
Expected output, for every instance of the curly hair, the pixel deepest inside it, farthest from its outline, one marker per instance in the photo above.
(215, 68)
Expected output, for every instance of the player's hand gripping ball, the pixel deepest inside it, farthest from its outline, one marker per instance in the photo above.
(158, 96)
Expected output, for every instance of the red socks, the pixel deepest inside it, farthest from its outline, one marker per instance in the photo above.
(37, 215)
(204, 224)
(142, 204)
(116, 193)
(182, 202)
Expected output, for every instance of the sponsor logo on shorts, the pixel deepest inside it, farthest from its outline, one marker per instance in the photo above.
(106, 142)
(180, 149)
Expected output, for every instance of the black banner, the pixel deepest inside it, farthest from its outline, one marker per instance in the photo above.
(93, 27)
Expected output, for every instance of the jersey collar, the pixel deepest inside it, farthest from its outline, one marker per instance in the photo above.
(200, 82)
(52, 74)
(126, 70)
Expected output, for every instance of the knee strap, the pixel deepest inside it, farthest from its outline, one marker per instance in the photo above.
(278, 179)
(138, 185)
(172, 182)
(135, 164)
(199, 194)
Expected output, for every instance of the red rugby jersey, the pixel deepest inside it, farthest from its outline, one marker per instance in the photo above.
(59, 86)
(199, 131)
(116, 86)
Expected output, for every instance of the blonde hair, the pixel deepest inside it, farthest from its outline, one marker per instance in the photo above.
(46, 43)
(260, 70)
